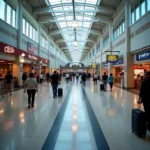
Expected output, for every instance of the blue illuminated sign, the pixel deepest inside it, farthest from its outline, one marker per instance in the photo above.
(143, 56)
(119, 62)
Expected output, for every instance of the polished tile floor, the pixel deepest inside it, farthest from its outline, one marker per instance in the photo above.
(27, 129)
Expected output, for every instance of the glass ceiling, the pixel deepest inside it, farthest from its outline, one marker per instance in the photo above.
(64, 22)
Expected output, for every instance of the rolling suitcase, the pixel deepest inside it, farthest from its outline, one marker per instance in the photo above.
(60, 92)
(138, 122)
(101, 87)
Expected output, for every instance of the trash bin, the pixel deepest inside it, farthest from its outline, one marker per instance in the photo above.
(122, 82)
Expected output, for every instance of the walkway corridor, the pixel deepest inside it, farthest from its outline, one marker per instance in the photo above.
(85, 118)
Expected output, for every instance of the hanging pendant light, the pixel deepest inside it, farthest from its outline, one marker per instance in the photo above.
(75, 43)
(74, 24)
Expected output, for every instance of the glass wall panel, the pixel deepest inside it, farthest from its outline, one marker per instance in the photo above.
(2, 9)
(14, 18)
(148, 4)
(137, 13)
(143, 11)
(8, 14)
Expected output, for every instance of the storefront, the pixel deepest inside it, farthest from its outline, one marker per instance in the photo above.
(141, 65)
(105, 68)
(18, 61)
(118, 70)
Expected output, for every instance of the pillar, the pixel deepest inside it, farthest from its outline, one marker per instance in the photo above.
(101, 55)
(19, 21)
(39, 39)
(128, 58)
(18, 70)
(110, 65)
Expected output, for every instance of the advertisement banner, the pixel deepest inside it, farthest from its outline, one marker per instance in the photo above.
(143, 56)
(30, 47)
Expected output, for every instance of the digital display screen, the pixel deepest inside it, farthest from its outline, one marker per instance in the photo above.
(112, 58)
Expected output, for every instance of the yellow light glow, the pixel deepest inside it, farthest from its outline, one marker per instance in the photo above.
(74, 128)
(21, 60)
(1, 111)
(21, 115)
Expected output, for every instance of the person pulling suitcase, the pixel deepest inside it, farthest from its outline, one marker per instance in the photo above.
(55, 80)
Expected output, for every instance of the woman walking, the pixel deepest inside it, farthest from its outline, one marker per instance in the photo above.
(32, 87)
(111, 81)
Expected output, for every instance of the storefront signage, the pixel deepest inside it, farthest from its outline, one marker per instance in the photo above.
(30, 47)
(143, 56)
(112, 58)
(32, 57)
(9, 49)
(94, 66)
(119, 62)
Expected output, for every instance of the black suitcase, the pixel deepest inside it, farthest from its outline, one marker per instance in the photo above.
(60, 92)
(101, 86)
(138, 122)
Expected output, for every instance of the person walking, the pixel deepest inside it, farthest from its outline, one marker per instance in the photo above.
(111, 81)
(144, 96)
(77, 76)
(48, 77)
(31, 86)
(9, 81)
(41, 78)
(105, 78)
(55, 80)
(95, 78)
(24, 77)
(83, 78)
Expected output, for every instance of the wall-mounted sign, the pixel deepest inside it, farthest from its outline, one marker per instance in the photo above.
(94, 66)
(30, 47)
(32, 57)
(111, 58)
(143, 56)
(9, 49)
(119, 62)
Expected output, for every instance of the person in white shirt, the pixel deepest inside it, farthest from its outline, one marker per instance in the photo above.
(95, 79)
(31, 86)
(41, 78)
(67, 77)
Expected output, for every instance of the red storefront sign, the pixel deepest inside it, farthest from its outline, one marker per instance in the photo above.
(6, 48)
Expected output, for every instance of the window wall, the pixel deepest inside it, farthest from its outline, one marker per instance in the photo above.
(139, 10)
(29, 30)
(119, 30)
(44, 42)
(8, 15)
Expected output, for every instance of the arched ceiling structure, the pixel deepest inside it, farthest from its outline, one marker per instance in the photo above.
(91, 15)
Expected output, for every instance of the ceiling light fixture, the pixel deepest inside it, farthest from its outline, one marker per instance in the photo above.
(74, 24)
(75, 43)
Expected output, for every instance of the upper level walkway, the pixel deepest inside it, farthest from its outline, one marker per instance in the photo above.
(85, 118)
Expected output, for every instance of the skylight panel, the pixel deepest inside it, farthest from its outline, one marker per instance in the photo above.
(89, 8)
(68, 8)
(91, 1)
(80, 1)
(61, 18)
(62, 24)
(57, 8)
(87, 18)
(80, 18)
(66, 1)
(54, 2)
(69, 17)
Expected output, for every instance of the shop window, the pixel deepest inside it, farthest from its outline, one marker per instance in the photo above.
(8, 14)
(2, 9)
(137, 10)
(143, 10)
(14, 18)
(148, 4)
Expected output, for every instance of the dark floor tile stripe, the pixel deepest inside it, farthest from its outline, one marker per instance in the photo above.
(100, 140)
(53, 134)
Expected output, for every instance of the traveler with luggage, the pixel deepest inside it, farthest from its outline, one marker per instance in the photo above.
(111, 81)
(32, 87)
(55, 80)
(144, 96)
(83, 78)
(104, 79)
(9, 81)
(95, 78)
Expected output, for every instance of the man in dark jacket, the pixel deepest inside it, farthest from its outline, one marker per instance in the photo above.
(105, 78)
(55, 80)
(144, 96)
(9, 81)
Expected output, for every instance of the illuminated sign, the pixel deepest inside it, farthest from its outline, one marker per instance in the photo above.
(30, 47)
(143, 56)
(32, 57)
(112, 58)
(94, 66)
(9, 49)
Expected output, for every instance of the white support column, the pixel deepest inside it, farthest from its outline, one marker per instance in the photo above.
(19, 21)
(55, 57)
(128, 58)
(110, 46)
(39, 40)
(101, 48)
